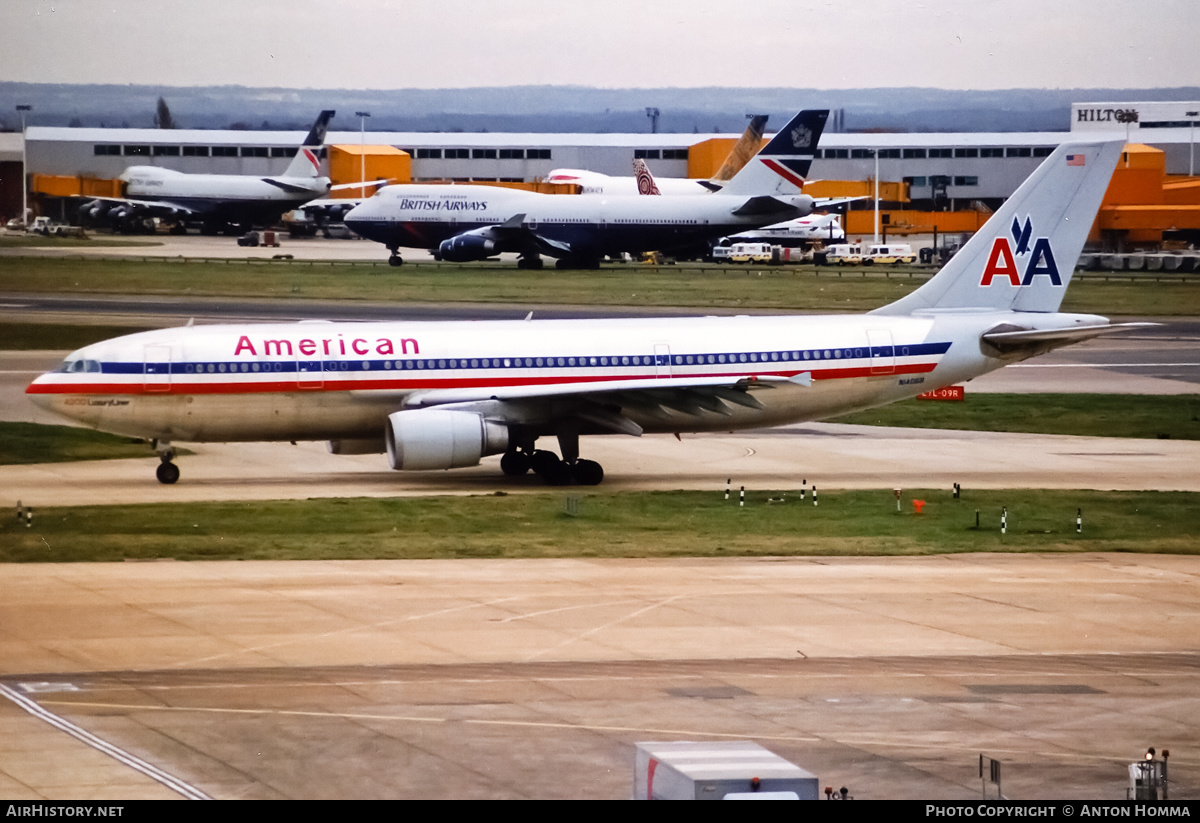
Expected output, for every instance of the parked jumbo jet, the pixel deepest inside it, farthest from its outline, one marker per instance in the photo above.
(218, 201)
(464, 223)
(442, 395)
(823, 228)
(593, 182)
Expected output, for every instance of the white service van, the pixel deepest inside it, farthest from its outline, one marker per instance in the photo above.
(889, 254)
(844, 254)
(750, 253)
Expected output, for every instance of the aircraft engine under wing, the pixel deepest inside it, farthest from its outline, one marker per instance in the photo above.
(482, 243)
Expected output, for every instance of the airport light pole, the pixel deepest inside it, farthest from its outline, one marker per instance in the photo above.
(1192, 115)
(362, 150)
(23, 108)
(876, 240)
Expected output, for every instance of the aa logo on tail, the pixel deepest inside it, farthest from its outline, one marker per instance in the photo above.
(1002, 262)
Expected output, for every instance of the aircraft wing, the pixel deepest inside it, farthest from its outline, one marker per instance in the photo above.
(100, 207)
(510, 236)
(604, 404)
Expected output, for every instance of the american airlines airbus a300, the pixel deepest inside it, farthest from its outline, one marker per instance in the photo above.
(464, 223)
(441, 395)
(218, 200)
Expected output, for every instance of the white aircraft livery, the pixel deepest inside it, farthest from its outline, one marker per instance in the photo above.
(441, 395)
(461, 223)
(216, 200)
(826, 228)
(593, 182)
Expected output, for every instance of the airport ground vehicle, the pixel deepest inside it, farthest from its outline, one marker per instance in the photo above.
(441, 395)
(844, 254)
(889, 254)
(750, 253)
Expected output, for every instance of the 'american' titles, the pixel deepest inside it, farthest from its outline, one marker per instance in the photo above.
(282, 347)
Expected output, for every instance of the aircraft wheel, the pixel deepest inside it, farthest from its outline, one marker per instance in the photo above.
(395, 260)
(515, 464)
(587, 472)
(167, 473)
(557, 473)
(544, 462)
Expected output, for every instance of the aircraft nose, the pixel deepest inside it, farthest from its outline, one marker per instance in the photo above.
(37, 392)
(363, 220)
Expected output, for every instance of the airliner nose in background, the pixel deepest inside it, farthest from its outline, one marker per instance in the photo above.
(442, 395)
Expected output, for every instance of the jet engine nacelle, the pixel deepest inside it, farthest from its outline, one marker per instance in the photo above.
(466, 248)
(441, 439)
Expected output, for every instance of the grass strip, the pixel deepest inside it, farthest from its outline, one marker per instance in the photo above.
(24, 443)
(792, 288)
(627, 524)
(1174, 417)
(57, 336)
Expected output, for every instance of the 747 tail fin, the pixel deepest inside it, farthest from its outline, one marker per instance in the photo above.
(782, 165)
(1023, 257)
(305, 163)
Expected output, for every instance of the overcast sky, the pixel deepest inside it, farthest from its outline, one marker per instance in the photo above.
(958, 44)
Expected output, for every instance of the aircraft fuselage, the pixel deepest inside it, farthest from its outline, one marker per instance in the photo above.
(423, 216)
(341, 380)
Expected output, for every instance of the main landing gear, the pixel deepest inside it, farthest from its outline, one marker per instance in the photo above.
(553, 470)
(167, 472)
(529, 261)
(395, 259)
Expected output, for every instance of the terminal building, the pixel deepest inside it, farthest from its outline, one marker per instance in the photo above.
(938, 172)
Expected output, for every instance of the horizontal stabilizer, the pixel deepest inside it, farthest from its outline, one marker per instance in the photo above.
(291, 188)
(1015, 339)
(764, 205)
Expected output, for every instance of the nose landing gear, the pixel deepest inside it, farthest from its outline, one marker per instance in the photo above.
(167, 472)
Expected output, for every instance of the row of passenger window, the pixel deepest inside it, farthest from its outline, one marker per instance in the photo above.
(543, 362)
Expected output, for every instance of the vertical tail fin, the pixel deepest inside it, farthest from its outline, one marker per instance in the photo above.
(1023, 257)
(306, 163)
(645, 180)
(745, 148)
(782, 165)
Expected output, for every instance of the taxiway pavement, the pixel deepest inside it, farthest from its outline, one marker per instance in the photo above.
(535, 678)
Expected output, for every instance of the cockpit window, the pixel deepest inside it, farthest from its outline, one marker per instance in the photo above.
(79, 366)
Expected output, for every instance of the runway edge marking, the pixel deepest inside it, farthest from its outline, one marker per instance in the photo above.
(153, 772)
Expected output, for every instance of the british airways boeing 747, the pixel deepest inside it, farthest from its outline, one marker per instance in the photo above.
(441, 395)
(461, 223)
